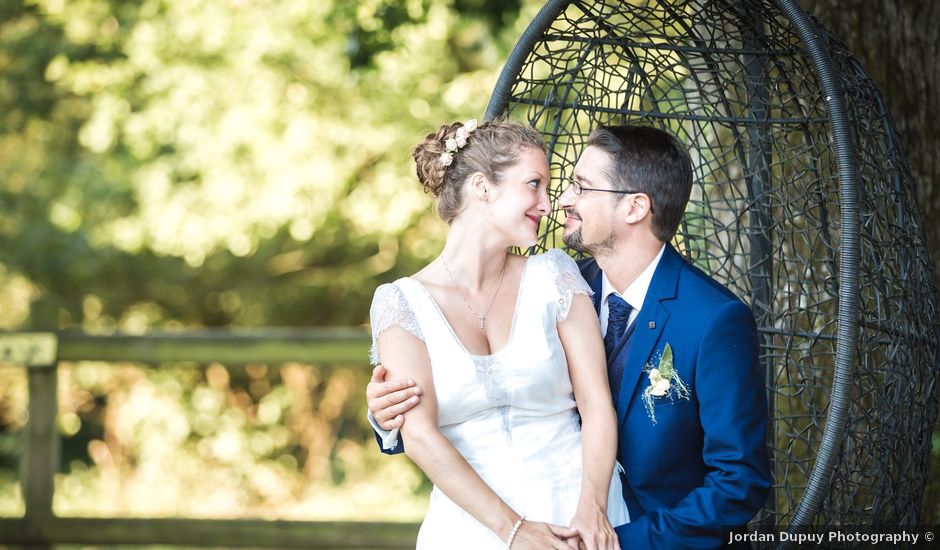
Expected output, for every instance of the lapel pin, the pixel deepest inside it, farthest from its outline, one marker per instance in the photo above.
(652, 324)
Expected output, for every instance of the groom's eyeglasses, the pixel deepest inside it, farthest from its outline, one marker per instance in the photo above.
(578, 189)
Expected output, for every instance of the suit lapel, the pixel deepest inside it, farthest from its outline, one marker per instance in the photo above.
(649, 327)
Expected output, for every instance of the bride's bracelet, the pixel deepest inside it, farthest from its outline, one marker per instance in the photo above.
(515, 529)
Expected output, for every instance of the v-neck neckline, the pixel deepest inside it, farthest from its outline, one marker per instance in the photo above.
(453, 333)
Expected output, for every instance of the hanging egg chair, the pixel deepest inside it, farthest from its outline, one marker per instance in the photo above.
(803, 205)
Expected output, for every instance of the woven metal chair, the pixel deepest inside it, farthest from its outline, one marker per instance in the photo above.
(803, 205)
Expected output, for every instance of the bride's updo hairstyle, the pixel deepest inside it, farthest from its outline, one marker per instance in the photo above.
(490, 149)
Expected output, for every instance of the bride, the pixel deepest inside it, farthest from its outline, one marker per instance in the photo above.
(516, 428)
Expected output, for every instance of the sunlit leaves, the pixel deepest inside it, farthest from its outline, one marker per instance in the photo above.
(179, 163)
(143, 140)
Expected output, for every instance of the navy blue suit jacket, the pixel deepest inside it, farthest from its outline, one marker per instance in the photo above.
(701, 469)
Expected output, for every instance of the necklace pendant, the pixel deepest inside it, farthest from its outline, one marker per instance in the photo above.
(482, 321)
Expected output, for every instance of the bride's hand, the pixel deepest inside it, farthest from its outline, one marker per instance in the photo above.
(538, 536)
(594, 528)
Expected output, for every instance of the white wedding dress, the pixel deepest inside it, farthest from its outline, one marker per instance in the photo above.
(511, 414)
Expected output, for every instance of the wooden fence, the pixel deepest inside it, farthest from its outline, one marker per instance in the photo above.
(40, 352)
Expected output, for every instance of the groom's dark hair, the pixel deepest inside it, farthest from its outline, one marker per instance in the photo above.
(651, 161)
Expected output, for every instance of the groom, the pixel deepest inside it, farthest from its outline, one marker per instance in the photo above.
(681, 350)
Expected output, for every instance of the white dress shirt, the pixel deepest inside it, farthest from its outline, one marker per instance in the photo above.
(633, 295)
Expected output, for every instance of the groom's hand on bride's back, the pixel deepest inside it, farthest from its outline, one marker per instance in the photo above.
(389, 401)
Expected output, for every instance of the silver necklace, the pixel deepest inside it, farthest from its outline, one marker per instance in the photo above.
(481, 318)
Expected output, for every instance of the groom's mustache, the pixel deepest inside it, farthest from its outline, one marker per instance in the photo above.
(571, 213)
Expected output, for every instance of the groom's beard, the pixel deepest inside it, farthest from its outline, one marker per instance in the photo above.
(575, 241)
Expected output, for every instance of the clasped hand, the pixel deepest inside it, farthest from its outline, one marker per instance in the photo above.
(534, 535)
(590, 530)
(594, 529)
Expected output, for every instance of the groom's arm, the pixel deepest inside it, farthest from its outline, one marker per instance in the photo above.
(733, 413)
(388, 402)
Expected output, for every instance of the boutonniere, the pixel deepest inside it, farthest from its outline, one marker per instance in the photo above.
(664, 382)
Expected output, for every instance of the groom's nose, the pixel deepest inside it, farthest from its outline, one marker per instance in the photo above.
(567, 198)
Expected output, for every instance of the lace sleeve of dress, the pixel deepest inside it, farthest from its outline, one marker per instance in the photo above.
(389, 307)
(568, 280)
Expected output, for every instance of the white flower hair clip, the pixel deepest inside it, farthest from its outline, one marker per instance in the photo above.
(454, 144)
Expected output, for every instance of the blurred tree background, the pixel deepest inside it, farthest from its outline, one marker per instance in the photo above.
(172, 164)
(168, 164)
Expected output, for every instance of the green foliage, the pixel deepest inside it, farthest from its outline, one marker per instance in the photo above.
(665, 363)
(186, 163)
(230, 162)
(182, 440)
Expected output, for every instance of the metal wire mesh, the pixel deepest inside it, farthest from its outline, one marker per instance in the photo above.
(733, 80)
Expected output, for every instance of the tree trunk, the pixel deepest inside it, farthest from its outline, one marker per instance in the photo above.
(898, 43)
